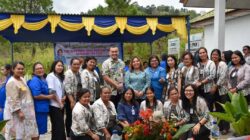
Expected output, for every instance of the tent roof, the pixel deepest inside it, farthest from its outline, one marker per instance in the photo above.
(18, 27)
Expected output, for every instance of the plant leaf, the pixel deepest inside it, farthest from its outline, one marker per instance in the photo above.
(239, 103)
(182, 130)
(2, 124)
(2, 137)
(241, 127)
(223, 116)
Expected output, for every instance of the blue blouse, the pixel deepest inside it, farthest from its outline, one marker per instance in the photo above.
(126, 112)
(137, 80)
(155, 76)
(3, 98)
(39, 86)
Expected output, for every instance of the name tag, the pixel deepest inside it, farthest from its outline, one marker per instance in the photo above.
(191, 111)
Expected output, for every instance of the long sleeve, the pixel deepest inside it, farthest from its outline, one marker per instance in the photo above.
(13, 96)
(99, 116)
(196, 74)
(147, 77)
(85, 79)
(212, 71)
(80, 118)
(222, 74)
(246, 80)
(127, 80)
(121, 115)
(68, 83)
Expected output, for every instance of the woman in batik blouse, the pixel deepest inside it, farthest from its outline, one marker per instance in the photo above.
(137, 79)
(82, 118)
(19, 109)
(104, 114)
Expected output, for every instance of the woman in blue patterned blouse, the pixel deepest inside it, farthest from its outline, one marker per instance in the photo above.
(137, 79)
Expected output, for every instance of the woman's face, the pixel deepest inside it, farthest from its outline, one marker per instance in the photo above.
(128, 95)
(171, 62)
(174, 95)
(75, 66)
(85, 99)
(136, 63)
(215, 56)
(189, 92)
(235, 59)
(223, 57)
(187, 60)
(59, 68)
(39, 71)
(154, 62)
(18, 71)
(4, 71)
(106, 94)
(203, 54)
(91, 64)
(150, 94)
(245, 51)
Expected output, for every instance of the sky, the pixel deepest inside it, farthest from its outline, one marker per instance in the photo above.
(78, 6)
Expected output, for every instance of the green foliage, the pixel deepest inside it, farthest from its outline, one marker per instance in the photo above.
(237, 113)
(182, 130)
(2, 124)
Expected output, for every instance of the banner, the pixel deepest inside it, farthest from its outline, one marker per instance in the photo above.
(66, 51)
(196, 41)
(174, 46)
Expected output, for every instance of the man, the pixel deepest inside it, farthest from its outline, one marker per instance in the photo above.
(246, 51)
(113, 74)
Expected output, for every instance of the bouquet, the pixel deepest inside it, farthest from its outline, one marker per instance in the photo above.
(152, 126)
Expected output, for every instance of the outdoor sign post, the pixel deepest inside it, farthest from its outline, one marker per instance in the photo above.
(174, 46)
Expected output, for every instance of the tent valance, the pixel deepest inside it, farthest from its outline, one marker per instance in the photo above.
(101, 26)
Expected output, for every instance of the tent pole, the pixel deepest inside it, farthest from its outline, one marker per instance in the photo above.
(188, 30)
(12, 53)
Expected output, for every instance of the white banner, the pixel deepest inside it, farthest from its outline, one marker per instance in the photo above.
(174, 46)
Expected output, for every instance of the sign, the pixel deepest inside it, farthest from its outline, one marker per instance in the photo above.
(196, 41)
(66, 51)
(174, 46)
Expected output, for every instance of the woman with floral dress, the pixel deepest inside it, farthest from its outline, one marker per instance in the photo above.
(19, 109)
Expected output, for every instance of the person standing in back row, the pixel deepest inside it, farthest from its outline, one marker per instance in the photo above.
(113, 74)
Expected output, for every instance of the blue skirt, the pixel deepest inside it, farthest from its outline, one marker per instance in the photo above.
(42, 121)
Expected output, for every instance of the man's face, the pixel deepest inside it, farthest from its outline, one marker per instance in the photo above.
(113, 53)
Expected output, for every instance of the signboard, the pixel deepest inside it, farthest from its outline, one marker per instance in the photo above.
(174, 46)
(66, 51)
(196, 41)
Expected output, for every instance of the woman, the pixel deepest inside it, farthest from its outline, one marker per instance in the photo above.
(199, 114)
(128, 108)
(226, 57)
(40, 92)
(151, 102)
(206, 78)
(72, 84)
(104, 114)
(189, 73)
(173, 110)
(172, 72)
(90, 78)
(6, 72)
(82, 118)
(55, 83)
(220, 87)
(19, 109)
(239, 75)
(137, 79)
(157, 75)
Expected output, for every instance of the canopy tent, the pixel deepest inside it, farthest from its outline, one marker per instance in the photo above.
(89, 28)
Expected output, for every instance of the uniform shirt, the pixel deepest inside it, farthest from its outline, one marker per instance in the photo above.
(127, 112)
(39, 86)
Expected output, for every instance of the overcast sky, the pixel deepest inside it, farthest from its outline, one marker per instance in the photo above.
(78, 6)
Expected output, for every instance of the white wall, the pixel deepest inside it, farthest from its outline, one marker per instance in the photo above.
(237, 34)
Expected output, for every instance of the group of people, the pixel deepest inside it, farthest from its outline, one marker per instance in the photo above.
(184, 93)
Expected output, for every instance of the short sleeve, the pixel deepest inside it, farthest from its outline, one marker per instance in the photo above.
(35, 87)
(50, 82)
(12, 96)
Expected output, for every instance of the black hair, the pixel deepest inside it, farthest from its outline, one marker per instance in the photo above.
(81, 92)
(53, 69)
(16, 63)
(59, 50)
(151, 57)
(84, 66)
(8, 67)
(154, 100)
(133, 101)
(199, 59)
(227, 56)
(170, 89)
(72, 60)
(175, 62)
(242, 59)
(219, 53)
(186, 103)
(164, 57)
(247, 47)
(190, 55)
(104, 87)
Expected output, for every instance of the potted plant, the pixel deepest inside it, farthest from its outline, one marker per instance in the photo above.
(236, 113)
(2, 124)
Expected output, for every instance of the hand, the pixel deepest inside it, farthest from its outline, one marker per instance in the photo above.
(63, 100)
(21, 115)
(233, 90)
(198, 84)
(119, 86)
(72, 104)
(162, 80)
(196, 129)
(95, 137)
(52, 96)
(213, 89)
(108, 136)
